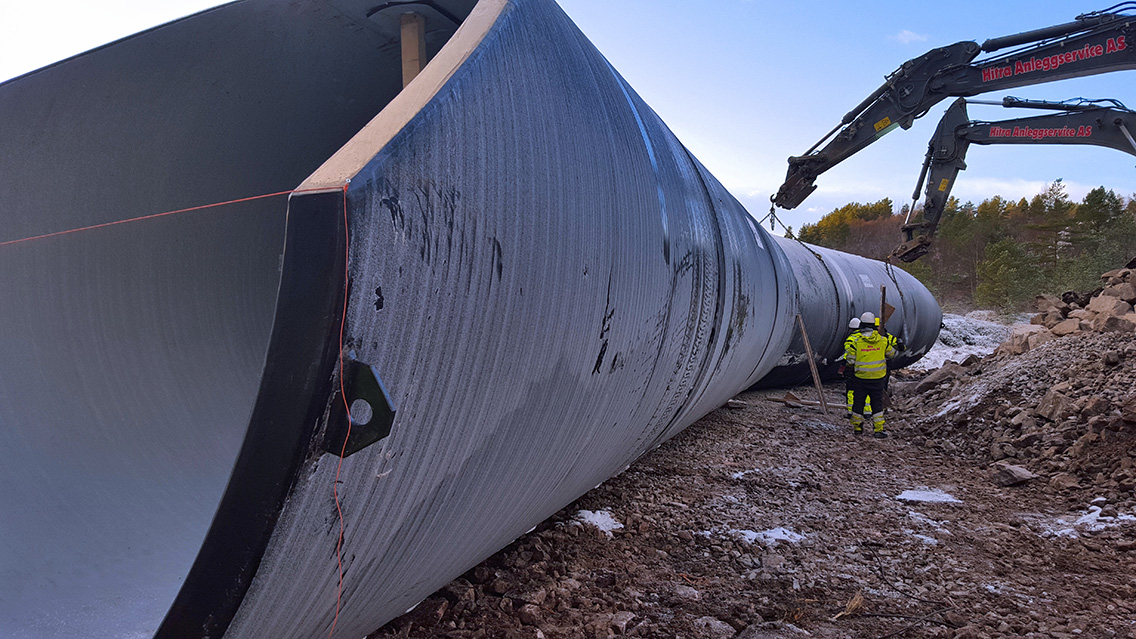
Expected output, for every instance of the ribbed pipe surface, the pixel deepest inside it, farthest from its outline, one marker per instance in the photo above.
(834, 287)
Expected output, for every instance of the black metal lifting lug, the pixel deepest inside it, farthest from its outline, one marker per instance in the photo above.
(371, 409)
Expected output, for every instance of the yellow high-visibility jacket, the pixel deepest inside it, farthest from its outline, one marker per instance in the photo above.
(868, 352)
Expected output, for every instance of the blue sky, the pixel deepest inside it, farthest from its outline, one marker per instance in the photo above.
(743, 83)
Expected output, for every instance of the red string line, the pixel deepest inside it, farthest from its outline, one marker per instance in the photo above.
(343, 395)
(157, 215)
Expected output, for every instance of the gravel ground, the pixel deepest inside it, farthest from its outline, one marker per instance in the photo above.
(773, 521)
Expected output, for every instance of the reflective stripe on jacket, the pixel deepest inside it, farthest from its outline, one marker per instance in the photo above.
(868, 352)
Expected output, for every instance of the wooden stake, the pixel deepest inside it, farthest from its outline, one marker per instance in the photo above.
(413, 46)
(812, 365)
(883, 309)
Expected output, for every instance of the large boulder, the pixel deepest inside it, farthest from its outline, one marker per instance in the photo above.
(1125, 291)
(1055, 405)
(1064, 481)
(1096, 405)
(1109, 305)
(1117, 276)
(1046, 303)
(1061, 329)
(1113, 324)
(947, 372)
(1018, 342)
(1039, 338)
(1128, 409)
(1052, 318)
(1010, 475)
(1077, 298)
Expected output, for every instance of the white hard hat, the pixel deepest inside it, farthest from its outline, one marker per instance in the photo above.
(868, 318)
(854, 323)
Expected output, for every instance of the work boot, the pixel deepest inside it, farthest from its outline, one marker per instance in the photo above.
(879, 434)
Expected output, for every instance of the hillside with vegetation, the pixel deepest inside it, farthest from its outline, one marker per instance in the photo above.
(1000, 253)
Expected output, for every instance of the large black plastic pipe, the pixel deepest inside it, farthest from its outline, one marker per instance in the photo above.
(539, 276)
(834, 287)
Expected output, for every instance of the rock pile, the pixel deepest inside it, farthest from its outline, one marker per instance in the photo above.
(1057, 399)
(1107, 309)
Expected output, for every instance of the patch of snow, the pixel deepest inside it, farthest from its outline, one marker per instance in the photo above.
(769, 536)
(972, 334)
(1090, 520)
(950, 406)
(748, 535)
(820, 425)
(924, 519)
(930, 541)
(1093, 520)
(601, 519)
(1056, 528)
(934, 496)
(743, 473)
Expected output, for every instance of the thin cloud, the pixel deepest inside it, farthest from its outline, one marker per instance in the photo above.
(907, 37)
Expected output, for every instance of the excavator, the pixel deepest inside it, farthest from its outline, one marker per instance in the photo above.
(1106, 123)
(1095, 42)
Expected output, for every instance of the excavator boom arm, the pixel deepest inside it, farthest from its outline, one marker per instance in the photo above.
(1096, 43)
(1099, 127)
(946, 153)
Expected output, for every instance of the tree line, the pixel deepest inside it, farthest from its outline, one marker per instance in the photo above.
(1001, 253)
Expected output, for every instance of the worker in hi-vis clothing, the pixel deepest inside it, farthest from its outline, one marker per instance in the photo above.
(848, 370)
(867, 351)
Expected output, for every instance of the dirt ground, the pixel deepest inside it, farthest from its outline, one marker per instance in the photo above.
(773, 521)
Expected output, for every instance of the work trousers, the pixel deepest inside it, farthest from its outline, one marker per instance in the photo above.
(850, 390)
(870, 391)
